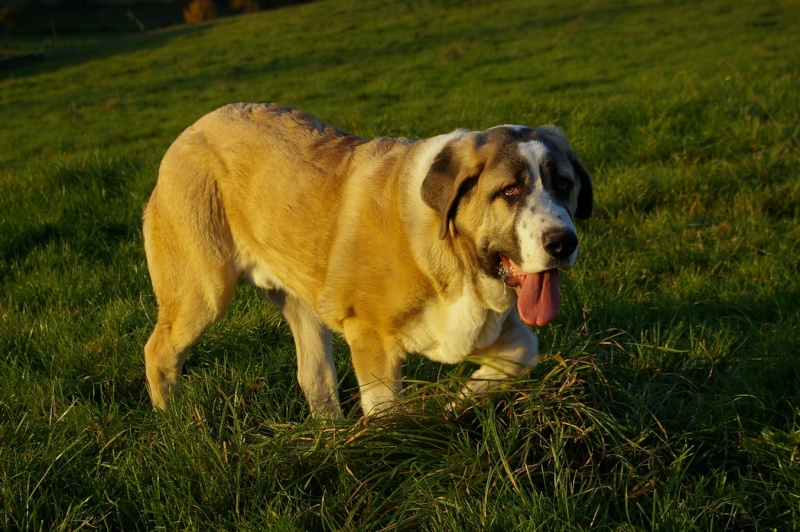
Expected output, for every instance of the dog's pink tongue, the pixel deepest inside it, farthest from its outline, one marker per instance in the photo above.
(539, 298)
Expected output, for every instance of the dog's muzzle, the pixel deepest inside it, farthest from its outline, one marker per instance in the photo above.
(560, 243)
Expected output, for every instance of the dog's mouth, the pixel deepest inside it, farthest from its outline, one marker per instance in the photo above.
(538, 294)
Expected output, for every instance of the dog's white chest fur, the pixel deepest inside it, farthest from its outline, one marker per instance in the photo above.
(448, 331)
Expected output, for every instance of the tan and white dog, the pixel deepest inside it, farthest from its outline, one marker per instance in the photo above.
(401, 246)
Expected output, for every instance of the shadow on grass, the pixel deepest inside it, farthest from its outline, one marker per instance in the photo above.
(108, 46)
(71, 207)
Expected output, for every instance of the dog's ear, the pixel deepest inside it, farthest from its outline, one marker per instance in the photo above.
(585, 195)
(448, 179)
(557, 133)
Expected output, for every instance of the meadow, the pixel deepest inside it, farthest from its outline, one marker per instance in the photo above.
(668, 394)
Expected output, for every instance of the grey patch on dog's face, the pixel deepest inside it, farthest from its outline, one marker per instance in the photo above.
(550, 203)
(484, 217)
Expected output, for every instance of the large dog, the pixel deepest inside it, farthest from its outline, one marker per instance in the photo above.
(402, 246)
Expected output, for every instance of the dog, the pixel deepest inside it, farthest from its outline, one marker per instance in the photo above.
(401, 246)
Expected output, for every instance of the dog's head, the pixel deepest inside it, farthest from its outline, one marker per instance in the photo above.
(512, 192)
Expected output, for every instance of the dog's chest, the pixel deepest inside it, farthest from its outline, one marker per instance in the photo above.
(448, 331)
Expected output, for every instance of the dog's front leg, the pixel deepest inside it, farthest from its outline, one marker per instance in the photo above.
(377, 368)
(515, 352)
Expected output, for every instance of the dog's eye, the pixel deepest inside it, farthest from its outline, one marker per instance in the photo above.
(563, 184)
(511, 191)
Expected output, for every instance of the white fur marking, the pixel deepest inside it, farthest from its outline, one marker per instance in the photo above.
(539, 214)
(448, 331)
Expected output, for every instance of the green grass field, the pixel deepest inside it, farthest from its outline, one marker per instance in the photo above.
(668, 397)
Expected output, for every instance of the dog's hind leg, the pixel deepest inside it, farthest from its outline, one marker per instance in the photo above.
(193, 279)
(316, 371)
(185, 311)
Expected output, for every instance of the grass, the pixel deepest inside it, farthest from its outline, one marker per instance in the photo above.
(667, 399)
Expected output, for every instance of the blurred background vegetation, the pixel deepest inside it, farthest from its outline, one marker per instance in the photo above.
(22, 21)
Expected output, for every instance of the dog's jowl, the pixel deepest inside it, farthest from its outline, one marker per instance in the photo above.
(401, 246)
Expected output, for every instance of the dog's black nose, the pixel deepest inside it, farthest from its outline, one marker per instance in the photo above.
(560, 243)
